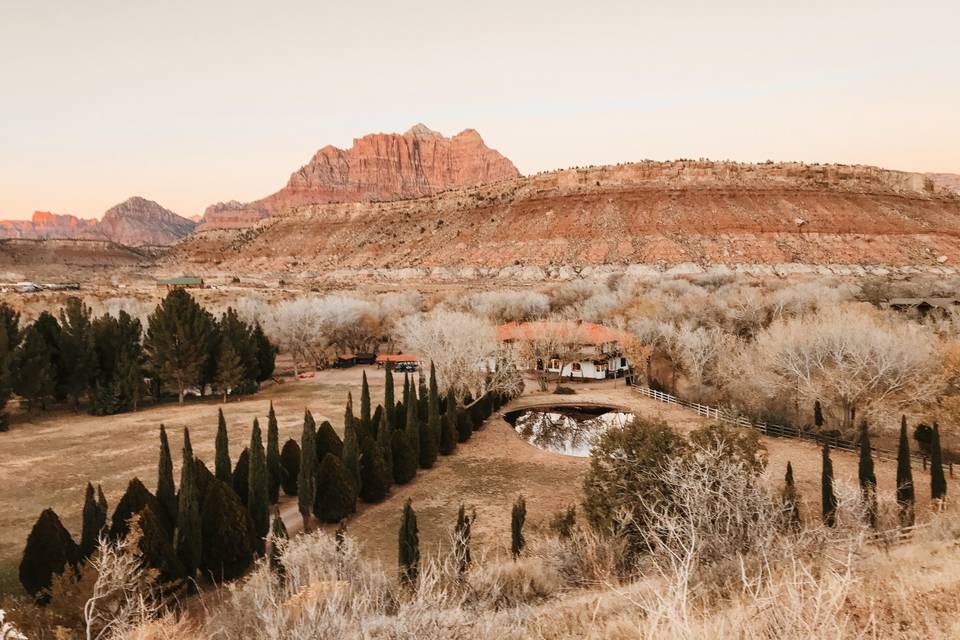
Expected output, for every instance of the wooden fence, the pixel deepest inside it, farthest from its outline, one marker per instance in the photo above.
(766, 428)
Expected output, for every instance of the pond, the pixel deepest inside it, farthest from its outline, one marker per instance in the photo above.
(570, 430)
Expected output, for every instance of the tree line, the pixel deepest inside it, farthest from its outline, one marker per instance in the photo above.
(217, 522)
(110, 363)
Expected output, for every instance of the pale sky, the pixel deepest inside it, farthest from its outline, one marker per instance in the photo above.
(190, 103)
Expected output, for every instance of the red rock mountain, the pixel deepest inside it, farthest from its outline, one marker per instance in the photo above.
(378, 167)
(135, 222)
(948, 181)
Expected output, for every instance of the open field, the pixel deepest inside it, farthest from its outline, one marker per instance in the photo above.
(47, 462)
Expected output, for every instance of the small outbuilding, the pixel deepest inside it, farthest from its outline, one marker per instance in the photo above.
(183, 282)
(398, 361)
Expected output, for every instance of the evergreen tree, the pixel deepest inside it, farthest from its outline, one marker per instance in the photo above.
(258, 500)
(204, 479)
(48, 329)
(905, 492)
(448, 432)
(239, 335)
(49, 552)
(10, 321)
(290, 461)
(461, 539)
(430, 430)
(791, 502)
(241, 476)
(375, 479)
(423, 396)
(7, 374)
(274, 468)
(328, 441)
(412, 422)
(278, 534)
(389, 402)
(177, 344)
(230, 370)
(102, 501)
(867, 478)
(222, 468)
(227, 532)
(134, 500)
(828, 498)
(117, 384)
(155, 548)
(266, 354)
(166, 491)
(365, 422)
(77, 357)
(187, 540)
(518, 516)
(335, 498)
(94, 521)
(385, 444)
(351, 446)
(817, 414)
(307, 473)
(938, 482)
(409, 551)
(33, 361)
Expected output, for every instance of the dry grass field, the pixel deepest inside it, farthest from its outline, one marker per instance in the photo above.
(46, 462)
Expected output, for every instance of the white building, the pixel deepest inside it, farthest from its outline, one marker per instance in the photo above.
(583, 350)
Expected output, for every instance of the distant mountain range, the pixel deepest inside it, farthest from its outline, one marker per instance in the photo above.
(134, 222)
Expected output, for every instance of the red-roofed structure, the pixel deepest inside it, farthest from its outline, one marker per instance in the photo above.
(592, 351)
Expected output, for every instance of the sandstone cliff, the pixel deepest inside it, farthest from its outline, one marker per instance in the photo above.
(378, 167)
(651, 213)
(135, 222)
(950, 181)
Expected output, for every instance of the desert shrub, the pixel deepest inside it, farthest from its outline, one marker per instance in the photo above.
(227, 535)
(49, 552)
(290, 460)
(741, 446)
(564, 391)
(134, 500)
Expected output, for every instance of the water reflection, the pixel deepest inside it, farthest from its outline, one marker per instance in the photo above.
(570, 432)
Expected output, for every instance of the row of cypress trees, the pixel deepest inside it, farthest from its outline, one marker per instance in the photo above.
(105, 360)
(867, 479)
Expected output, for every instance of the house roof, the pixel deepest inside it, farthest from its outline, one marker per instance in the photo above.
(182, 280)
(397, 357)
(568, 331)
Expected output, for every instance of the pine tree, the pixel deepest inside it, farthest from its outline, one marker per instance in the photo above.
(817, 414)
(76, 350)
(365, 422)
(33, 361)
(828, 498)
(867, 478)
(117, 383)
(409, 547)
(274, 468)
(258, 500)
(49, 552)
(177, 344)
(307, 473)
(7, 374)
(791, 503)
(938, 482)
(385, 443)
(430, 430)
(241, 476)
(389, 402)
(266, 354)
(290, 460)
(518, 516)
(227, 533)
(187, 540)
(351, 446)
(448, 433)
(336, 498)
(461, 539)
(278, 535)
(328, 441)
(94, 521)
(905, 492)
(166, 491)
(230, 371)
(222, 466)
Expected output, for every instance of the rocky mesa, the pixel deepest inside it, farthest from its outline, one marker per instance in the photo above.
(378, 167)
(134, 222)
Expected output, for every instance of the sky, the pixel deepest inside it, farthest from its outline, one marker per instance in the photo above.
(191, 103)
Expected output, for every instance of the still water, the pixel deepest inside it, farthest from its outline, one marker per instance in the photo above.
(565, 429)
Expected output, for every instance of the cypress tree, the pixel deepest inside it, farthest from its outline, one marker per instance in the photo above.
(351, 446)
(187, 539)
(222, 467)
(448, 433)
(365, 422)
(905, 493)
(409, 551)
(464, 425)
(828, 498)
(166, 492)
(241, 476)
(274, 468)
(133, 501)
(228, 536)
(278, 534)
(430, 430)
(290, 459)
(817, 414)
(257, 497)
(204, 478)
(385, 443)
(517, 517)
(307, 476)
(791, 502)
(336, 498)
(404, 463)
(102, 502)
(50, 550)
(375, 480)
(423, 394)
(461, 539)
(867, 478)
(94, 520)
(412, 421)
(389, 402)
(938, 482)
(155, 547)
(328, 441)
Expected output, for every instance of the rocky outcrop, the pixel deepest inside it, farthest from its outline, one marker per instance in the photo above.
(135, 222)
(378, 167)
(949, 181)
